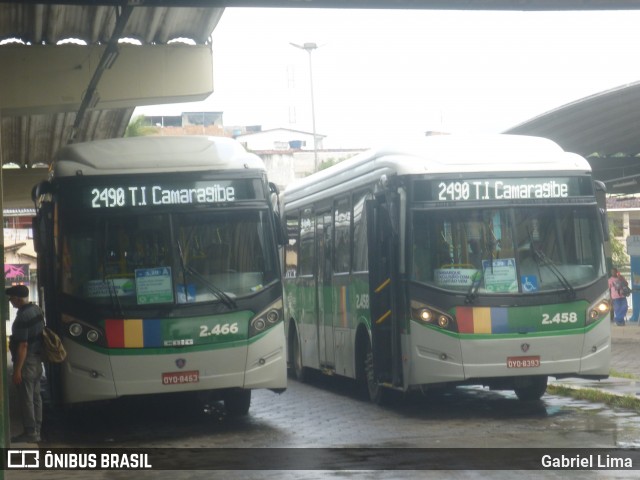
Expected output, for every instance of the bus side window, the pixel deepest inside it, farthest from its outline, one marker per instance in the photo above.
(342, 222)
(360, 251)
(291, 247)
(307, 243)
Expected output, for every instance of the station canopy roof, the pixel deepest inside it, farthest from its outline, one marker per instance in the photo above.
(604, 128)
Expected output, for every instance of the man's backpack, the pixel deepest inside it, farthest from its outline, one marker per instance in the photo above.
(53, 350)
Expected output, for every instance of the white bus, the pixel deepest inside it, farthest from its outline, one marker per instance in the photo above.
(159, 265)
(451, 261)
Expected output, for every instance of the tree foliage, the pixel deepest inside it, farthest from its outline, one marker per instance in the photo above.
(619, 258)
(138, 127)
(329, 162)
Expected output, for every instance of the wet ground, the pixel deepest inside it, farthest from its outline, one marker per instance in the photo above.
(326, 414)
(351, 434)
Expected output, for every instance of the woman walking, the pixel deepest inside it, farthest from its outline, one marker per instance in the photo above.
(617, 283)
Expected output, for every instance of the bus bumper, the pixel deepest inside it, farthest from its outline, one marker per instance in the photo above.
(267, 361)
(261, 364)
(438, 357)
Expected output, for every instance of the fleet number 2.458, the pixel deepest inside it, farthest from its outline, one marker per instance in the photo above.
(564, 317)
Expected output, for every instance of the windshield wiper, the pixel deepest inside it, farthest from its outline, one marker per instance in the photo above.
(472, 294)
(542, 259)
(111, 284)
(113, 292)
(184, 272)
(222, 296)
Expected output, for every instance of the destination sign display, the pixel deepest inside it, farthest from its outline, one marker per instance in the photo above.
(167, 193)
(478, 190)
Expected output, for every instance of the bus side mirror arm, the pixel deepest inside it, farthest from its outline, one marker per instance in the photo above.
(281, 232)
(274, 196)
(605, 224)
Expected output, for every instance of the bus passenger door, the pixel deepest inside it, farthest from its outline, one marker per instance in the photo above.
(323, 289)
(385, 335)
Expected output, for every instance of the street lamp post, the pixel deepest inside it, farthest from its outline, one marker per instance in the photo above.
(310, 47)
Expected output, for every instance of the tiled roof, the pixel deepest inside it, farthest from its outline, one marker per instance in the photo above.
(623, 203)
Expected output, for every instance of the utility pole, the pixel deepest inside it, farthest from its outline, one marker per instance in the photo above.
(310, 47)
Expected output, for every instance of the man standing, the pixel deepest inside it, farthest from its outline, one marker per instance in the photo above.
(25, 345)
(620, 305)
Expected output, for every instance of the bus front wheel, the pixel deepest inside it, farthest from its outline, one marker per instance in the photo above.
(530, 389)
(377, 393)
(299, 371)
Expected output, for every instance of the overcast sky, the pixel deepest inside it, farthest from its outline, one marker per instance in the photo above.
(384, 74)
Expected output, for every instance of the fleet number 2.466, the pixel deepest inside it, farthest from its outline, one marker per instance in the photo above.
(224, 329)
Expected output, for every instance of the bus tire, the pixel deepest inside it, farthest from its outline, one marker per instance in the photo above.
(530, 389)
(237, 402)
(299, 371)
(377, 393)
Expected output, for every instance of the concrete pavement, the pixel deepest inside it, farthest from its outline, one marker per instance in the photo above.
(625, 355)
(625, 359)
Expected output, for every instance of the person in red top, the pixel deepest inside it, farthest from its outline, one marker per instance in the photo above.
(620, 305)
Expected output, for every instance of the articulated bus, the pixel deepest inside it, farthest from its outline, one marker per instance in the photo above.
(158, 258)
(451, 261)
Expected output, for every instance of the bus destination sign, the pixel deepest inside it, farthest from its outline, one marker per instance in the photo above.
(508, 189)
(168, 194)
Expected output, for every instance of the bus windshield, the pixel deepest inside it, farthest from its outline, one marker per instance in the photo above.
(132, 260)
(507, 250)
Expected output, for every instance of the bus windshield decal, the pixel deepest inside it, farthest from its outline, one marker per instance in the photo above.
(502, 189)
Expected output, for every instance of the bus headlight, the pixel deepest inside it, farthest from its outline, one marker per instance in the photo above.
(432, 316)
(93, 336)
(267, 318)
(75, 329)
(82, 331)
(598, 310)
(272, 316)
(258, 324)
